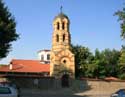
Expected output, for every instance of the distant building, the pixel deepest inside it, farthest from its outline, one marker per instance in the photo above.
(44, 56)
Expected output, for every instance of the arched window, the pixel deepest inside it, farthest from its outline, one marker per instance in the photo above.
(63, 25)
(42, 57)
(58, 25)
(63, 37)
(48, 56)
(57, 38)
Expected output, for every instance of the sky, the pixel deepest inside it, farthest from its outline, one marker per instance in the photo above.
(92, 24)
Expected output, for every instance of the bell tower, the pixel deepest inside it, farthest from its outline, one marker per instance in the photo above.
(61, 35)
(62, 59)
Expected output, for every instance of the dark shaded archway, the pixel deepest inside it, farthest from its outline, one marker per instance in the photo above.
(65, 80)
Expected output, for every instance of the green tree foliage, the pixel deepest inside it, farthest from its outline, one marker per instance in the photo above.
(82, 57)
(7, 30)
(100, 65)
(122, 63)
(107, 61)
(121, 15)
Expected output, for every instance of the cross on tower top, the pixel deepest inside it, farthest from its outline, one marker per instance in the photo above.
(61, 9)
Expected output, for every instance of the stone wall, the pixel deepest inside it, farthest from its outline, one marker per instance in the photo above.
(89, 87)
(106, 87)
(86, 87)
(36, 83)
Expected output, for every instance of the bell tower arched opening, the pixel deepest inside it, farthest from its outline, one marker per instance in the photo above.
(63, 37)
(58, 26)
(63, 25)
(57, 38)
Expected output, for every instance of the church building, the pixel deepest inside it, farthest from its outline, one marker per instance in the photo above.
(58, 62)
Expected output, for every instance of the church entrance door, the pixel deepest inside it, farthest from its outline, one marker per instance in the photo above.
(65, 80)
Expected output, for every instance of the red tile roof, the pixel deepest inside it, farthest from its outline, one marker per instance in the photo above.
(44, 50)
(111, 78)
(30, 66)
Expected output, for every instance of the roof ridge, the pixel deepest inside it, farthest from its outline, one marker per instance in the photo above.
(24, 60)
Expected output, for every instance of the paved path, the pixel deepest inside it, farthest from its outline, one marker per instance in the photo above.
(58, 93)
(47, 95)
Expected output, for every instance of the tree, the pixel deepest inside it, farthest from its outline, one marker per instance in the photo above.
(121, 15)
(106, 61)
(104, 64)
(122, 63)
(7, 30)
(111, 58)
(100, 63)
(82, 57)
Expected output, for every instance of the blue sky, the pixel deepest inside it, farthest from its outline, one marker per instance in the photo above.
(92, 24)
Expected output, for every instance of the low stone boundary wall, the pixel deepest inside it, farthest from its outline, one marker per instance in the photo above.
(95, 87)
(106, 86)
(36, 83)
(86, 87)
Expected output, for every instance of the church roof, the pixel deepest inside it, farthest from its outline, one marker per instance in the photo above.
(31, 66)
(61, 15)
